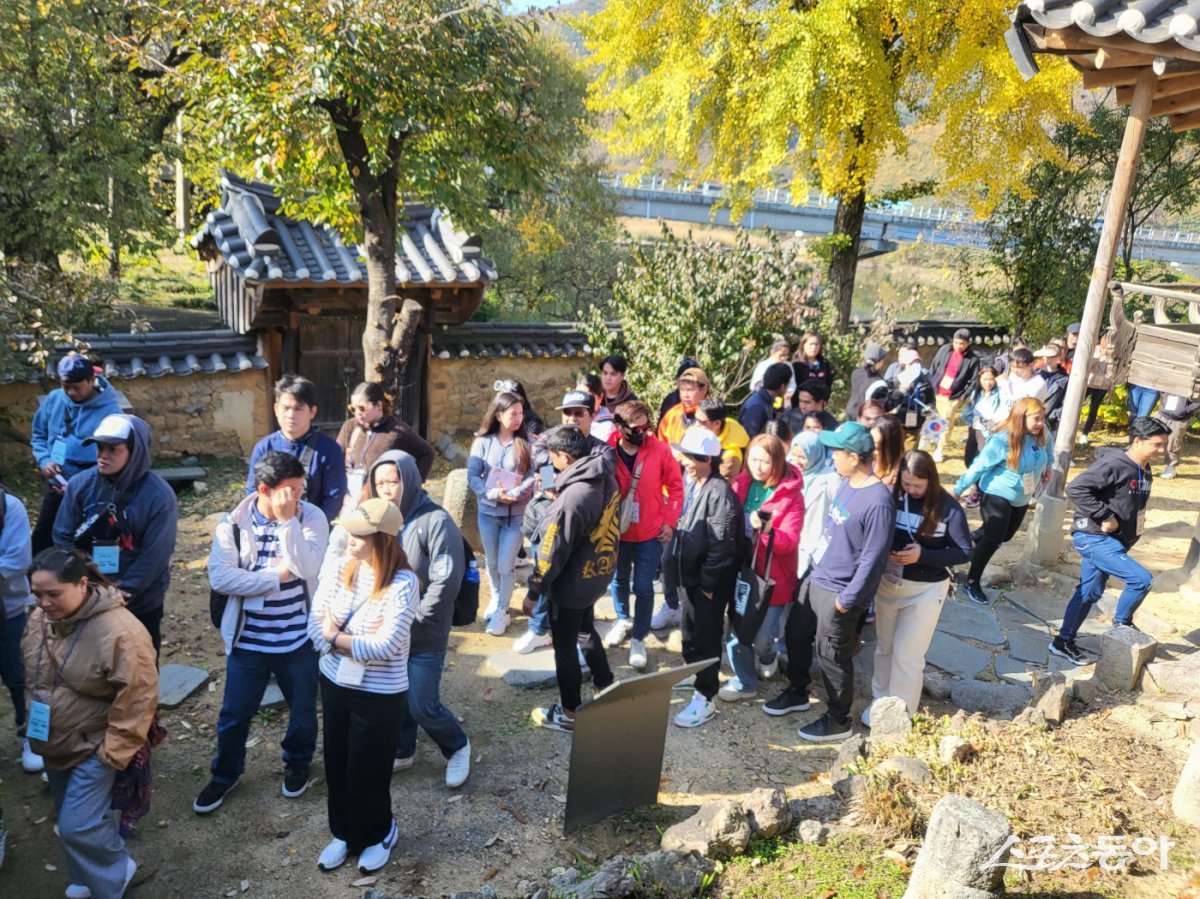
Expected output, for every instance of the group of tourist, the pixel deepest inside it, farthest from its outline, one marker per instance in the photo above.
(773, 531)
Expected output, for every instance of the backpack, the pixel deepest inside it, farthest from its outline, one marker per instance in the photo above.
(466, 604)
(218, 601)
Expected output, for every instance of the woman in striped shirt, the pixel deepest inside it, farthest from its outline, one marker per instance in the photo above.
(360, 623)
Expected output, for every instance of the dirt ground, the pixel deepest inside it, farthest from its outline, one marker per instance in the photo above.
(1110, 769)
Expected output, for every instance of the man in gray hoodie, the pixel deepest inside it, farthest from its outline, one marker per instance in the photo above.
(435, 550)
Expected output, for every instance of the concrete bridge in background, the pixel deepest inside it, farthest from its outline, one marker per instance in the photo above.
(884, 227)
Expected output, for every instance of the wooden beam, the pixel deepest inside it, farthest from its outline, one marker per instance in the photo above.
(1075, 40)
(1108, 58)
(1063, 40)
(1085, 62)
(1186, 121)
(1112, 77)
(1166, 65)
(1176, 104)
(1168, 88)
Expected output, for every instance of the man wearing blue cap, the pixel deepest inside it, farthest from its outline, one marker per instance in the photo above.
(847, 565)
(64, 420)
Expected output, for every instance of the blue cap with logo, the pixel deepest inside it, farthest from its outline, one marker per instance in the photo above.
(73, 368)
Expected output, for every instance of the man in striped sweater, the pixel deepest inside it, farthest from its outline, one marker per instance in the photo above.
(265, 557)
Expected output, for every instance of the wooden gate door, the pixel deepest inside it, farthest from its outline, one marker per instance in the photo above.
(331, 357)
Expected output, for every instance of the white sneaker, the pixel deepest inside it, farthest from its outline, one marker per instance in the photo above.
(664, 618)
(618, 632)
(78, 891)
(333, 855)
(1082, 439)
(637, 654)
(458, 767)
(938, 457)
(499, 623)
(766, 672)
(529, 641)
(696, 712)
(375, 857)
(31, 761)
(733, 691)
(403, 763)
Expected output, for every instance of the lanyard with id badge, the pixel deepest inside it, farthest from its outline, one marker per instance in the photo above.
(894, 573)
(38, 726)
(350, 671)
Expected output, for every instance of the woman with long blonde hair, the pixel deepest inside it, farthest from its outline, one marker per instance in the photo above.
(1011, 469)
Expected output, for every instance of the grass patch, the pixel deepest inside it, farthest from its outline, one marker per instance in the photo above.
(850, 866)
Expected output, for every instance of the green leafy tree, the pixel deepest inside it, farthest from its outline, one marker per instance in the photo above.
(718, 304)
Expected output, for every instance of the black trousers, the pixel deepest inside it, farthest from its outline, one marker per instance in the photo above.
(973, 445)
(571, 630)
(816, 624)
(151, 620)
(702, 625)
(361, 733)
(1095, 396)
(1001, 520)
(43, 532)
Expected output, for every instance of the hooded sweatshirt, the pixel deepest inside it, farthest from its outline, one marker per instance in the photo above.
(786, 505)
(1112, 485)
(820, 481)
(61, 418)
(624, 395)
(16, 554)
(577, 539)
(146, 515)
(99, 670)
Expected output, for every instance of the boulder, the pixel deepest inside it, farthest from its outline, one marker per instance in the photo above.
(614, 879)
(1180, 675)
(1001, 700)
(813, 832)
(910, 770)
(937, 685)
(768, 811)
(718, 830)
(821, 808)
(459, 501)
(673, 875)
(1054, 704)
(1185, 801)
(962, 838)
(890, 722)
(1123, 653)
(853, 786)
(953, 748)
(849, 753)
(1086, 689)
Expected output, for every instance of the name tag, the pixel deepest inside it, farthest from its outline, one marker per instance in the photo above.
(1173, 403)
(107, 557)
(818, 552)
(894, 572)
(1028, 484)
(354, 482)
(38, 727)
(947, 383)
(910, 418)
(58, 452)
(350, 672)
(635, 513)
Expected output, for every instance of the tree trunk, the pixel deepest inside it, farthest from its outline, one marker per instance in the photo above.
(843, 262)
(379, 243)
(114, 230)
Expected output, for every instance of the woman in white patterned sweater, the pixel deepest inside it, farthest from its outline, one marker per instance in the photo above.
(360, 623)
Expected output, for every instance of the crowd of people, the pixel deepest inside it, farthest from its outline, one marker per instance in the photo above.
(774, 532)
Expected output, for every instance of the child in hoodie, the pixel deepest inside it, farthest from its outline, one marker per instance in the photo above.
(1110, 512)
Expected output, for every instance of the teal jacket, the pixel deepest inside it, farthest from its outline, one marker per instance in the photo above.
(991, 472)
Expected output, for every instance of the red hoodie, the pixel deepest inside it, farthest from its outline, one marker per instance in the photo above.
(787, 507)
(659, 496)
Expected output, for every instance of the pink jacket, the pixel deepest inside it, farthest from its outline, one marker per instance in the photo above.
(786, 506)
(659, 492)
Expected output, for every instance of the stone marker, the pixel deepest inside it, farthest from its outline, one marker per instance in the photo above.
(989, 698)
(889, 720)
(768, 811)
(1123, 653)
(534, 669)
(1185, 801)
(177, 682)
(961, 839)
(459, 501)
(718, 830)
(910, 770)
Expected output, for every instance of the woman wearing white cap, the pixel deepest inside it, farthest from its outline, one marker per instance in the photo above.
(360, 622)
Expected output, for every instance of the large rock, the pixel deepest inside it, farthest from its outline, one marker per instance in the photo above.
(1051, 697)
(614, 879)
(999, 700)
(889, 719)
(768, 811)
(937, 685)
(1185, 801)
(1123, 653)
(459, 501)
(910, 770)
(962, 838)
(718, 830)
(813, 832)
(1181, 675)
(846, 783)
(673, 875)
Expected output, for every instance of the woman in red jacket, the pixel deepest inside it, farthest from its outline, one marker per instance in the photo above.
(651, 490)
(771, 491)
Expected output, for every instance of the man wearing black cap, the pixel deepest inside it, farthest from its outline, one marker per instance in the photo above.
(1072, 341)
(64, 420)
(760, 407)
(954, 371)
(862, 377)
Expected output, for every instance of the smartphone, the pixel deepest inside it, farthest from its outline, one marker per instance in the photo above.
(764, 515)
(548, 473)
(60, 480)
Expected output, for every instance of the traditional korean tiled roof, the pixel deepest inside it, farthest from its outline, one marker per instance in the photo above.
(153, 355)
(1151, 21)
(263, 246)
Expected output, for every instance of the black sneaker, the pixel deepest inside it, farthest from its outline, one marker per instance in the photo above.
(788, 701)
(1068, 650)
(212, 796)
(554, 717)
(295, 781)
(826, 730)
(974, 592)
(1128, 624)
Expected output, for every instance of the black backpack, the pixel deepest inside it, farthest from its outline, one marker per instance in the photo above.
(218, 601)
(466, 604)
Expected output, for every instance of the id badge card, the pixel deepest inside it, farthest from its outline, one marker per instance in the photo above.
(107, 557)
(1141, 522)
(354, 482)
(38, 726)
(819, 550)
(910, 418)
(58, 451)
(634, 513)
(1028, 484)
(350, 672)
(894, 571)
(947, 383)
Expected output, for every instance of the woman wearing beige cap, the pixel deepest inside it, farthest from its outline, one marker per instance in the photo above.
(360, 622)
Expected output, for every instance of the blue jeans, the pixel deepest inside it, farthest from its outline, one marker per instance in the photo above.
(12, 668)
(425, 708)
(501, 539)
(539, 620)
(1104, 556)
(1141, 400)
(88, 826)
(767, 645)
(642, 558)
(246, 676)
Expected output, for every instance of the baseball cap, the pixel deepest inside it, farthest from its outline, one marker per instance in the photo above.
(112, 430)
(1048, 350)
(74, 368)
(375, 516)
(694, 374)
(698, 441)
(908, 356)
(874, 352)
(1073, 328)
(962, 334)
(849, 436)
(577, 399)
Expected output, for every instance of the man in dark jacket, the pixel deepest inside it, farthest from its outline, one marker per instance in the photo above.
(434, 547)
(910, 396)
(953, 373)
(1110, 513)
(1056, 383)
(862, 377)
(576, 556)
(706, 551)
(124, 516)
(1176, 413)
(761, 406)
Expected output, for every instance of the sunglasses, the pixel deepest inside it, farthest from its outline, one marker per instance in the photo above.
(640, 429)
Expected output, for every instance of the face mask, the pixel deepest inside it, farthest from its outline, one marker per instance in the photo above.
(637, 438)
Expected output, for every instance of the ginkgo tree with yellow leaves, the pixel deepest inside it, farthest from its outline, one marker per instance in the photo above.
(815, 93)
